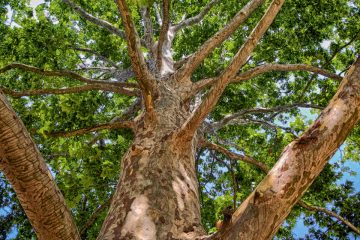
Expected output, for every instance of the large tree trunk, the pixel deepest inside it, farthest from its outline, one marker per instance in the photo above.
(157, 195)
(29, 176)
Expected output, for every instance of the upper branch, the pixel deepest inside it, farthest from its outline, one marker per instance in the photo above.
(97, 21)
(252, 73)
(146, 80)
(163, 32)
(239, 60)
(148, 29)
(196, 19)
(194, 61)
(63, 73)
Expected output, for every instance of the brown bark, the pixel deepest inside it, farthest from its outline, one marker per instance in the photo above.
(233, 156)
(262, 213)
(157, 194)
(144, 77)
(29, 176)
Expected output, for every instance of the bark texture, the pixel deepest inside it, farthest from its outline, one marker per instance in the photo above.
(261, 214)
(29, 176)
(157, 195)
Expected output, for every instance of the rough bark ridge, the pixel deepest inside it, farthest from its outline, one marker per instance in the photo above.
(31, 179)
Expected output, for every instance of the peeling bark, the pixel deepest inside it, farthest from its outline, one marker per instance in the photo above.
(29, 176)
(157, 194)
(300, 163)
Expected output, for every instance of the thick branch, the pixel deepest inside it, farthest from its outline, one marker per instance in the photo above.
(252, 73)
(70, 90)
(115, 125)
(330, 213)
(163, 32)
(265, 169)
(239, 60)
(218, 38)
(97, 21)
(196, 19)
(63, 73)
(26, 170)
(300, 163)
(148, 29)
(146, 81)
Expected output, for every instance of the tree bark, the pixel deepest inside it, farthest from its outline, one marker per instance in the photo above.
(157, 194)
(262, 213)
(29, 176)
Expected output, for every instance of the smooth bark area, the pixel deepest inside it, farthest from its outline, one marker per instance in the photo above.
(261, 214)
(25, 169)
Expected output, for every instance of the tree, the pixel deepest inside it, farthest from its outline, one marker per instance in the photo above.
(183, 84)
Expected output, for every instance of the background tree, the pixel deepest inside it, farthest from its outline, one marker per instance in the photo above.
(199, 99)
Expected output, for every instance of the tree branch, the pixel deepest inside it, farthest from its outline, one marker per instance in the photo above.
(300, 163)
(157, 13)
(97, 21)
(252, 73)
(330, 213)
(233, 156)
(240, 58)
(195, 59)
(64, 73)
(148, 29)
(146, 80)
(284, 67)
(227, 119)
(115, 125)
(26, 170)
(163, 32)
(70, 90)
(95, 215)
(196, 19)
